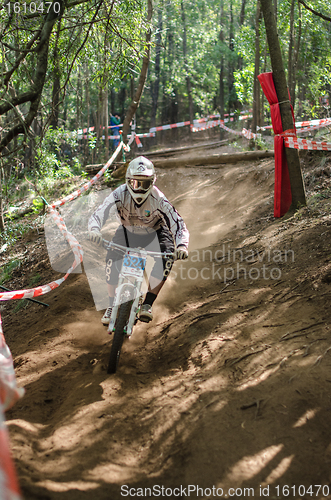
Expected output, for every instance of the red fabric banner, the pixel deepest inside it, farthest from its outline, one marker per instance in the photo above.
(282, 192)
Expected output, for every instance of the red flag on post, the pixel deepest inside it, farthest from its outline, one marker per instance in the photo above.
(282, 191)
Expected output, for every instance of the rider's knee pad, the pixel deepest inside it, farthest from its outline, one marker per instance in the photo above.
(167, 266)
(113, 267)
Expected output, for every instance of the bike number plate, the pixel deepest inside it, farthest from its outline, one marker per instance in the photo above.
(133, 264)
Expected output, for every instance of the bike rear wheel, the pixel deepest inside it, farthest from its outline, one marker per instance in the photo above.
(121, 322)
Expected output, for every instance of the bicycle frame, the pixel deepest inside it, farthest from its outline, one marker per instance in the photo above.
(130, 282)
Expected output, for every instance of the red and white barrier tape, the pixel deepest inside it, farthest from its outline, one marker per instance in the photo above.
(9, 489)
(296, 143)
(210, 124)
(169, 126)
(305, 126)
(9, 392)
(312, 127)
(325, 122)
(198, 125)
(113, 137)
(267, 127)
(138, 141)
(91, 129)
(236, 132)
(249, 134)
(245, 133)
(75, 246)
(90, 183)
(42, 290)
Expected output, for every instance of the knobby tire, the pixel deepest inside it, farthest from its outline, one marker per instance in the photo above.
(121, 322)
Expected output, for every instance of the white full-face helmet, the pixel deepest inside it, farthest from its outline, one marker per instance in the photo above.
(140, 178)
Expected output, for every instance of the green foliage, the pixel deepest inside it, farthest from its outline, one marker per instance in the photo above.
(21, 304)
(15, 231)
(55, 160)
(6, 272)
(244, 84)
(92, 141)
(38, 205)
(34, 280)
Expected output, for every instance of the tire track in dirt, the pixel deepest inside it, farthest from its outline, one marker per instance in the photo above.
(228, 386)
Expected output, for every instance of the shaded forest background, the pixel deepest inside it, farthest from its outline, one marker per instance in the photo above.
(70, 64)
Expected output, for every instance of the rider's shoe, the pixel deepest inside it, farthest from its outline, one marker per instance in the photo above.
(106, 317)
(145, 313)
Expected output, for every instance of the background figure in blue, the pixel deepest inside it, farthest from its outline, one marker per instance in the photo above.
(115, 120)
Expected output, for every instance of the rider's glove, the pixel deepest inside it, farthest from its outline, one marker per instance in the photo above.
(181, 252)
(96, 237)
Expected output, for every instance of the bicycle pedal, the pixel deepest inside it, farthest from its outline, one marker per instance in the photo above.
(145, 319)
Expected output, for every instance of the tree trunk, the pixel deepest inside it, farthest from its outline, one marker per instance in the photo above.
(79, 100)
(275, 5)
(213, 159)
(231, 98)
(256, 92)
(2, 222)
(240, 59)
(169, 100)
(187, 73)
(99, 117)
(112, 102)
(155, 86)
(87, 100)
(122, 97)
(294, 61)
(222, 69)
(106, 118)
(292, 156)
(54, 121)
(262, 98)
(174, 115)
(142, 79)
(33, 95)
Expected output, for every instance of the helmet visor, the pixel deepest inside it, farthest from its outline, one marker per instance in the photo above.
(140, 185)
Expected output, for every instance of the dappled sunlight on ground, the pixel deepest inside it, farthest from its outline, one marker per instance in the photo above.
(229, 384)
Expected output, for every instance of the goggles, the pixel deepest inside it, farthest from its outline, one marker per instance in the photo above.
(140, 185)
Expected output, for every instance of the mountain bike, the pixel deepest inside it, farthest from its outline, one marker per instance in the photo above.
(135, 270)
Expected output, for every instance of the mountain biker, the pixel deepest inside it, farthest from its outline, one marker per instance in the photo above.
(143, 211)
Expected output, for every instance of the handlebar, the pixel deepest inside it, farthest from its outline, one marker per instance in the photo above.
(109, 244)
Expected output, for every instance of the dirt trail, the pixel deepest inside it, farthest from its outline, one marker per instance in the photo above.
(228, 387)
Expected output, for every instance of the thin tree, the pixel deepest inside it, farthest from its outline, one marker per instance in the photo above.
(292, 156)
(155, 85)
(142, 79)
(256, 87)
(293, 51)
(221, 82)
(186, 66)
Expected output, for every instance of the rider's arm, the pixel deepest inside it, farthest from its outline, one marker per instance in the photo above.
(99, 217)
(175, 223)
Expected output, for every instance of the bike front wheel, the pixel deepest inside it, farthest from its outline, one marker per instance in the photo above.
(119, 333)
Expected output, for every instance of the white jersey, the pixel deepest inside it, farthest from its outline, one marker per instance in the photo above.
(155, 212)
